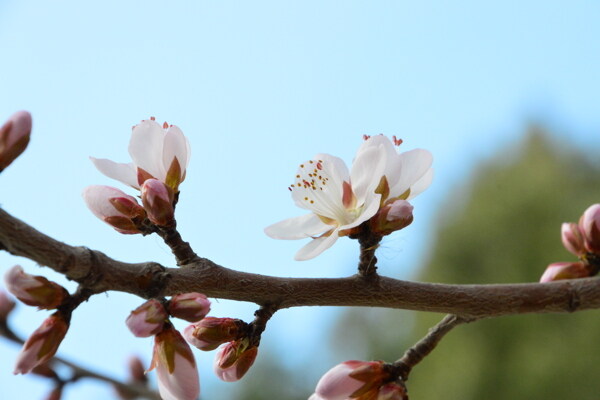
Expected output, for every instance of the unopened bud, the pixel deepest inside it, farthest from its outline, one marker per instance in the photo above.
(6, 305)
(158, 202)
(590, 225)
(114, 207)
(14, 137)
(572, 238)
(210, 332)
(34, 290)
(234, 359)
(148, 319)
(351, 379)
(392, 217)
(137, 370)
(191, 307)
(41, 346)
(565, 270)
(175, 366)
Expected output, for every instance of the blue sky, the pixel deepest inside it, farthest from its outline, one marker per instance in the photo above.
(259, 87)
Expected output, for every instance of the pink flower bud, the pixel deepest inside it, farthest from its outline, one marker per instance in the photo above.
(158, 202)
(114, 207)
(211, 332)
(14, 137)
(234, 359)
(565, 270)
(148, 319)
(34, 290)
(590, 226)
(351, 379)
(572, 238)
(392, 391)
(6, 305)
(392, 217)
(42, 344)
(191, 307)
(175, 367)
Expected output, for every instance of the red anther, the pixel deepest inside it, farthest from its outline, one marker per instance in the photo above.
(397, 141)
(165, 125)
(366, 137)
(289, 188)
(319, 166)
(152, 118)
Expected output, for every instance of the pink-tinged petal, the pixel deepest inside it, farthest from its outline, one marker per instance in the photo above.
(114, 207)
(34, 290)
(315, 396)
(415, 164)
(158, 202)
(210, 332)
(41, 346)
(146, 148)
(233, 360)
(422, 184)
(191, 307)
(14, 137)
(175, 367)
(316, 246)
(125, 173)
(6, 306)
(572, 238)
(565, 270)
(297, 227)
(148, 319)
(351, 379)
(590, 226)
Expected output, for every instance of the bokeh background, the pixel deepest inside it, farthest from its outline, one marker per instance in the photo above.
(504, 94)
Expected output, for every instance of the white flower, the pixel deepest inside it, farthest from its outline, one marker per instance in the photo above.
(341, 200)
(157, 152)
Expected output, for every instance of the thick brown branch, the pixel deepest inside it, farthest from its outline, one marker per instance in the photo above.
(99, 273)
(421, 349)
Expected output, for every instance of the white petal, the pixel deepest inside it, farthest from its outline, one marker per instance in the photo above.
(121, 172)
(297, 228)
(316, 246)
(146, 148)
(415, 164)
(182, 384)
(97, 197)
(421, 184)
(367, 170)
(175, 145)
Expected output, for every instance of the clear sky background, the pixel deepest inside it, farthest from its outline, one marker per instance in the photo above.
(259, 87)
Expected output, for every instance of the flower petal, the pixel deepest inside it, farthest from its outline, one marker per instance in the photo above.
(367, 170)
(125, 173)
(422, 184)
(297, 227)
(316, 246)
(176, 145)
(146, 148)
(415, 164)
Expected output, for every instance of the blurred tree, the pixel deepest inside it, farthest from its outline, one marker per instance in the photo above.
(503, 227)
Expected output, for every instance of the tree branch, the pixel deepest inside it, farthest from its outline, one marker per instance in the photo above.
(99, 273)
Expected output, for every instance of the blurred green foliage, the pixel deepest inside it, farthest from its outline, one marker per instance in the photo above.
(502, 227)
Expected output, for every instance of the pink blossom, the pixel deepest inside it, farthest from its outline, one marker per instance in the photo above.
(392, 391)
(572, 238)
(350, 379)
(234, 359)
(175, 366)
(191, 307)
(14, 137)
(157, 199)
(34, 290)
(148, 319)
(210, 332)
(41, 346)
(590, 226)
(565, 270)
(157, 152)
(114, 207)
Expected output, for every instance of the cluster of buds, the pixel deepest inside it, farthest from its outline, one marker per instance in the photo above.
(161, 156)
(39, 292)
(14, 137)
(173, 359)
(583, 240)
(238, 352)
(360, 380)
